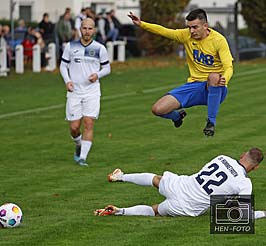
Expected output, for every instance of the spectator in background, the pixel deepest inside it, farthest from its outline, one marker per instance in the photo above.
(40, 41)
(81, 16)
(219, 28)
(72, 22)
(64, 31)
(47, 29)
(20, 33)
(90, 13)
(101, 28)
(21, 26)
(33, 37)
(116, 22)
(1, 36)
(28, 43)
(7, 36)
(6, 33)
(112, 31)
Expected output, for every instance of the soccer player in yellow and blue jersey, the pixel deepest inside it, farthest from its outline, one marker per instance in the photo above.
(210, 65)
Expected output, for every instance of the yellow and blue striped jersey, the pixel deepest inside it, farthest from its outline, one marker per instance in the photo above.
(211, 54)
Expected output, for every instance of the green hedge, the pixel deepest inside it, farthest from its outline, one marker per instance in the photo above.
(8, 22)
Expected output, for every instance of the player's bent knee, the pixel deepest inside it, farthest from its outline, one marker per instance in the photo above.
(213, 79)
(156, 110)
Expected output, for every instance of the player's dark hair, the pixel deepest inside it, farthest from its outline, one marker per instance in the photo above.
(256, 155)
(197, 14)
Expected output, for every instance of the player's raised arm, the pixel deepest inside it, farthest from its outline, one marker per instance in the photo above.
(135, 19)
(153, 28)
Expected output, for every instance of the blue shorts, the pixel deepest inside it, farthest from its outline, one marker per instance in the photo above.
(193, 94)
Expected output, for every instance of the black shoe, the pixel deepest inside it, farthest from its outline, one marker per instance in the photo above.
(179, 122)
(209, 129)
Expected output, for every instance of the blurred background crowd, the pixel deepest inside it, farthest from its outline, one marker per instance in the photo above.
(66, 29)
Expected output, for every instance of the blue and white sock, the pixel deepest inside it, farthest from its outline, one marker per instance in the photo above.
(174, 115)
(214, 101)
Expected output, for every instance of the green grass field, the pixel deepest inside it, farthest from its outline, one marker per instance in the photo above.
(58, 197)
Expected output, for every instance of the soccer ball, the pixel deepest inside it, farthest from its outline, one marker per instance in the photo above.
(10, 215)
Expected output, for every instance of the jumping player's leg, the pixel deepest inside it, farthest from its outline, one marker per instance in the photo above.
(166, 107)
(216, 95)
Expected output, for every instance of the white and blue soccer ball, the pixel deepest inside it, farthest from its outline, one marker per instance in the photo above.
(10, 215)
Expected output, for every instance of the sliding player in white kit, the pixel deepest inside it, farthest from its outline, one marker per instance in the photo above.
(83, 63)
(190, 195)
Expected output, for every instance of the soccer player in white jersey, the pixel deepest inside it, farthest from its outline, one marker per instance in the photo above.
(190, 195)
(83, 63)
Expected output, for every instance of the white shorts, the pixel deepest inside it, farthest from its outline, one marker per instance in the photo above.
(78, 107)
(169, 187)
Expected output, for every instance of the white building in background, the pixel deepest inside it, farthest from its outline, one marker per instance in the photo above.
(218, 10)
(32, 10)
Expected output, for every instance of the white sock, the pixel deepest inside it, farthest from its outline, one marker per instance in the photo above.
(260, 214)
(139, 178)
(77, 139)
(137, 210)
(85, 148)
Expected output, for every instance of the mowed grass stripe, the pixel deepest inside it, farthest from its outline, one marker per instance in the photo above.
(135, 93)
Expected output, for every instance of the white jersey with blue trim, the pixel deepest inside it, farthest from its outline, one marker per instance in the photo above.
(82, 62)
(223, 175)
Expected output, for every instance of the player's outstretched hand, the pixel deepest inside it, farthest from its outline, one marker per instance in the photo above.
(135, 19)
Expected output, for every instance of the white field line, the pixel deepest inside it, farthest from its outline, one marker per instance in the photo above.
(145, 91)
(36, 110)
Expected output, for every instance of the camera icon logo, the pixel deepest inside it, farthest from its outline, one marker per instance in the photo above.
(232, 212)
